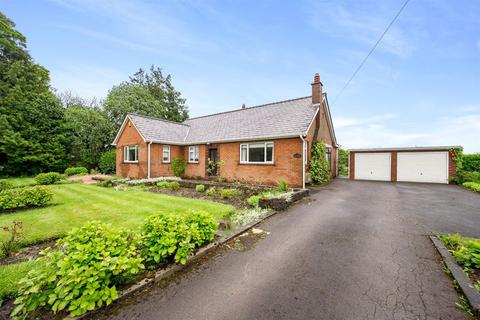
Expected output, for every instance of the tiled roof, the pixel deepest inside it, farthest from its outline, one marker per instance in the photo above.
(274, 120)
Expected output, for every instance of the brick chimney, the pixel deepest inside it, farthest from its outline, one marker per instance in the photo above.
(317, 87)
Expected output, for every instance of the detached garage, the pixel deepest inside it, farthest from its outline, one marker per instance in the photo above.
(416, 164)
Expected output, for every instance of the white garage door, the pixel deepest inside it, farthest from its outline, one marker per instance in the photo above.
(422, 167)
(372, 166)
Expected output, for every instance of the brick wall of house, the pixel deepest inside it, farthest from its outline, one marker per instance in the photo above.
(287, 164)
(130, 136)
(195, 170)
(158, 167)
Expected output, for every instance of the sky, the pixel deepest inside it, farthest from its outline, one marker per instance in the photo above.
(420, 87)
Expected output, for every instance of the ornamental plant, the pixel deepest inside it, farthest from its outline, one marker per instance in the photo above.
(178, 166)
(5, 185)
(203, 227)
(282, 185)
(254, 200)
(15, 234)
(212, 191)
(107, 162)
(229, 193)
(319, 167)
(35, 196)
(84, 274)
(48, 178)
(76, 171)
(200, 188)
(474, 186)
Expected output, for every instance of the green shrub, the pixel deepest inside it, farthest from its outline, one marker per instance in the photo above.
(200, 188)
(472, 186)
(108, 161)
(467, 176)
(282, 185)
(471, 162)
(203, 226)
(84, 274)
(76, 171)
(212, 191)
(254, 200)
(229, 193)
(465, 250)
(174, 185)
(167, 236)
(178, 166)
(34, 196)
(48, 178)
(5, 185)
(319, 166)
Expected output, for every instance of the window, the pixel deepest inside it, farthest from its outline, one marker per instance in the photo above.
(193, 154)
(328, 155)
(260, 152)
(130, 153)
(166, 154)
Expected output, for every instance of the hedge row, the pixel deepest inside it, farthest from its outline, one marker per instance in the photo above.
(73, 171)
(95, 259)
(35, 196)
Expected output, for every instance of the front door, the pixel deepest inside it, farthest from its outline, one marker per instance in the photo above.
(212, 162)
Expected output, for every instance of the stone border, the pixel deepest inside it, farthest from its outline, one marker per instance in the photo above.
(473, 296)
(282, 203)
(171, 269)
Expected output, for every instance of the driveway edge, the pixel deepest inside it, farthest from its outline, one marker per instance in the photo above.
(168, 271)
(472, 295)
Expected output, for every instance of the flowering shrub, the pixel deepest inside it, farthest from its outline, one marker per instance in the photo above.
(246, 216)
(150, 181)
(83, 274)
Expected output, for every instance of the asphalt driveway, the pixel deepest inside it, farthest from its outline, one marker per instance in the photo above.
(355, 250)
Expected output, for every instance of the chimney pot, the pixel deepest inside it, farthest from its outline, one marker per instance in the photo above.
(243, 106)
(316, 78)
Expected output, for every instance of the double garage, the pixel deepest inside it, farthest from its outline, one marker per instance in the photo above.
(416, 164)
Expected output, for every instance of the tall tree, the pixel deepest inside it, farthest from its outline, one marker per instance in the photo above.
(31, 118)
(146, 93)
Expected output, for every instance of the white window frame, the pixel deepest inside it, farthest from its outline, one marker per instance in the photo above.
(265, 152)
(126, 152)
(196, 154)
(165, 148)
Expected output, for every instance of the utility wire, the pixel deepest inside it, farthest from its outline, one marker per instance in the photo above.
(371, 51)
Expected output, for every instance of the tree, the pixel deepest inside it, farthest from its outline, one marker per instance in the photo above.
(146, 93)
(89, 132)
(31, 117)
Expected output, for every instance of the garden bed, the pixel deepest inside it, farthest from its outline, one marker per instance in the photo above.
(283, 201)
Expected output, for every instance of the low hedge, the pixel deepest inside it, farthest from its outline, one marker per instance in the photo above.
(35, 196)
(474, 186)
(76, 171)
(48, 178)
(5, 185)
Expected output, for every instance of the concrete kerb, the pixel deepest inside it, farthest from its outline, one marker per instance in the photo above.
(464, 282)
(168, 271)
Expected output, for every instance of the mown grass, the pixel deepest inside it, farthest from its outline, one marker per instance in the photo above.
(20, 181)
(10, 274)
(75, 204)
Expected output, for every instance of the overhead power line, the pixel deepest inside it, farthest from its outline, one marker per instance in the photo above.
(371, 50)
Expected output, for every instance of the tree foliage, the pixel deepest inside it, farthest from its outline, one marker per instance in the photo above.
(31, 118)
(146, 93)
(342, 162)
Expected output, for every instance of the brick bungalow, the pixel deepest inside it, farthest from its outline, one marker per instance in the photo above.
(259, 144)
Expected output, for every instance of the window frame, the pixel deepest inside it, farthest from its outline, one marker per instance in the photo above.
(126, 152)
(265, 144)
(167, 148)
(196, 151)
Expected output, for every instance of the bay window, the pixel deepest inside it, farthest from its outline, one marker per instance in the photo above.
(257, 152)
(166, 154)
(193, 152)
(130, 153)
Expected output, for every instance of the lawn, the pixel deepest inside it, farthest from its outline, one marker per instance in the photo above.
(75, 204)
(21, 181)
(10, 274)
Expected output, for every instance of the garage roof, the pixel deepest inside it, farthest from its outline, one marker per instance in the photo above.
(430, 148)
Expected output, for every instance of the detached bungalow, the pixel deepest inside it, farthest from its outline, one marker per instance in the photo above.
(259, 144)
